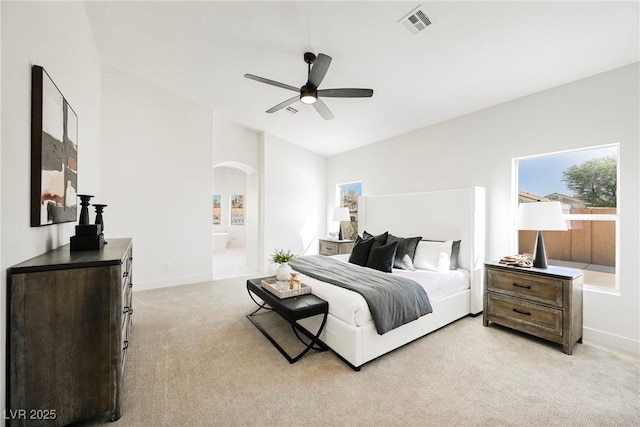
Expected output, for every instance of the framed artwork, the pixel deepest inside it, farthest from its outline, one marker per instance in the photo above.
(54, 153)
(237, 209)
(216, 209)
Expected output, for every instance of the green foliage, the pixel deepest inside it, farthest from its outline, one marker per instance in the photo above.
(237, 201)
(594, 181)
(279, 256)
(350, 200)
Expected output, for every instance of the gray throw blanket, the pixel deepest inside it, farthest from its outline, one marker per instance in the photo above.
(393, 301)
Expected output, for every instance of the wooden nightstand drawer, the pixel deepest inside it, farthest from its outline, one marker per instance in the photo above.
(545, 302)
(327, 248)
(532, 318)
(535, 288)
(335, 247)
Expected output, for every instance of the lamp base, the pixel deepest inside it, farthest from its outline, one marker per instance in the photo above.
(539, 254)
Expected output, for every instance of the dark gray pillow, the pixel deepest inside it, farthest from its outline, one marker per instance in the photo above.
(455, 249)
(380, 238)
(381, 257)
(360, 252)
(405, 252)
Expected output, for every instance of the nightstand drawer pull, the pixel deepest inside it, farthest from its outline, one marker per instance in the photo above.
(526, 313)
(522, 286)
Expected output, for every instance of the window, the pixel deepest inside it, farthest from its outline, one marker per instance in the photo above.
(585, 182)
(237, 209)
(216, 209)
(348, 197)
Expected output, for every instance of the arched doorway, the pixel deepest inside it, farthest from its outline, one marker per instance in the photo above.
(235, 249)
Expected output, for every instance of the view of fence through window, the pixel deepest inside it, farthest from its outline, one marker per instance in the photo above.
(237, 209)
(585, 183)
(349, 193)
(216, 209)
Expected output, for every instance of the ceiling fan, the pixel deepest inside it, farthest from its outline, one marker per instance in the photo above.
(309, 93)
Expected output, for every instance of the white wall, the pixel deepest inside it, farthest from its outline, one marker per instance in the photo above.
(156, 178)
(294, 197)
(56, 36)
(235, 143)
(228, 181)
(478, 149)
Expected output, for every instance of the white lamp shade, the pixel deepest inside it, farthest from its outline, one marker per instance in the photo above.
(341, 214)
(541, 216)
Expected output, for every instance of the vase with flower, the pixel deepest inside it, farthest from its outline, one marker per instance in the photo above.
(282, 258)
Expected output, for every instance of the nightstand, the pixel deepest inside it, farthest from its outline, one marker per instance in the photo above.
(546, 302)
(335, 247)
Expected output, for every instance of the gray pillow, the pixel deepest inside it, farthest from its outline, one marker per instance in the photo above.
(405, 252)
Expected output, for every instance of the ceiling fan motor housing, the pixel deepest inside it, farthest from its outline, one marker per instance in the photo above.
(308, 94)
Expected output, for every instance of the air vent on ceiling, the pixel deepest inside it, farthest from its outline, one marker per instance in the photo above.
(291, 110)
(416, 20)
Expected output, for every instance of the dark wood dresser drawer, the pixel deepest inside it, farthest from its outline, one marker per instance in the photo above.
(69, 316)
(544, 290)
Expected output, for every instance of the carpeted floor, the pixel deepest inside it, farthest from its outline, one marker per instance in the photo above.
(195, 360)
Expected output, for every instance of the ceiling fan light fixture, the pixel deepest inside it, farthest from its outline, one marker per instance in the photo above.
(308, 96)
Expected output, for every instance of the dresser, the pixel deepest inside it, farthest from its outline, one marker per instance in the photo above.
(68, 329)
(335, 247)
(546, 302)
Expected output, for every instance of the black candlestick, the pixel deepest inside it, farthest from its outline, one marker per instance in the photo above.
(84, 212)
(99, 219)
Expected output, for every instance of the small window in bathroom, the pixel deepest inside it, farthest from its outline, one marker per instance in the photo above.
(216, 209)
(237, 209)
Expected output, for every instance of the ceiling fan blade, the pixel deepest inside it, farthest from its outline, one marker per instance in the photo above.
(283, 104)
(346, 93)
(272, 82)
(319, 69)
(322, 108)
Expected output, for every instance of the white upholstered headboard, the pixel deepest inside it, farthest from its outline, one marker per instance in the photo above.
(434, 215)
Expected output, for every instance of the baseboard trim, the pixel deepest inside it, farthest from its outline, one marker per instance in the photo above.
(594, 336)
(174, 281)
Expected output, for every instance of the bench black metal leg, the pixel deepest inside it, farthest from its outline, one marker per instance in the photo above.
(314, 339)
(309, 346)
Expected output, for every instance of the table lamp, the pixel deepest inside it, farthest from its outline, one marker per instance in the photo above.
(540, 216)
(341, 214)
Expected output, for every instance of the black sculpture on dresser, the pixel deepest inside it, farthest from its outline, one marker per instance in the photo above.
(88, 236)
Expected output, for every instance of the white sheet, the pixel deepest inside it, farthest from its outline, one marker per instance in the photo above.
(352, 308)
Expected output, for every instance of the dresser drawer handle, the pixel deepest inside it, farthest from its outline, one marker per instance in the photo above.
(125, 345)
(526, 313)
(126, 310)
(125, 274)
(131, 285)
(522, 286)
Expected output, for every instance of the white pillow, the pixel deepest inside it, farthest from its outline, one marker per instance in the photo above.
(435, 256)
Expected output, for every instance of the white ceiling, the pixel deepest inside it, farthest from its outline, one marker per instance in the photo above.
(475, 55)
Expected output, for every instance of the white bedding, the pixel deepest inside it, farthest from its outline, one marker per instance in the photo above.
(352, 308)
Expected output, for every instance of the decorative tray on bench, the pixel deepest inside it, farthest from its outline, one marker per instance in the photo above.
(281, 289)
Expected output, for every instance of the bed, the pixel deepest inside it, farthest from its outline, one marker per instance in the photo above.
(434, 215)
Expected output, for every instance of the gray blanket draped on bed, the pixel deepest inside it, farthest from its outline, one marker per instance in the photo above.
(393, 301)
